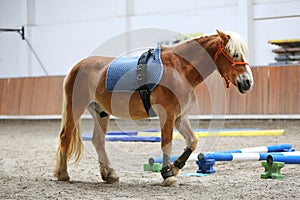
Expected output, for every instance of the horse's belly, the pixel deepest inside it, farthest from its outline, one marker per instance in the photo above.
(126, 105)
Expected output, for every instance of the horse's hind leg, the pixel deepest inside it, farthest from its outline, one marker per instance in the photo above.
(60, 170)
(101, 119)
(70, 141)
(70, 144)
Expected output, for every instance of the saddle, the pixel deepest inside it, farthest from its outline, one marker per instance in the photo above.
(131, 74)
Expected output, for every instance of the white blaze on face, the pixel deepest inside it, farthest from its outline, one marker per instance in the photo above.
(236, 44)
(250, 76)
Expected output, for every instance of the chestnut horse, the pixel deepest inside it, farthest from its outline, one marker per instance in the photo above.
(185, 65)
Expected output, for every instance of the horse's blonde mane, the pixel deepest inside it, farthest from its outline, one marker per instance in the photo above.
(236, 44)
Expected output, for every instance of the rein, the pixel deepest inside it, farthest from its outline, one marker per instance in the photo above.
(233, 63)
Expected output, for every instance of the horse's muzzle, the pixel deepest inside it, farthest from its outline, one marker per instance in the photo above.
(244, 85)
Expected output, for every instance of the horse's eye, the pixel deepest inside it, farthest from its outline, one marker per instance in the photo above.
(235, 55)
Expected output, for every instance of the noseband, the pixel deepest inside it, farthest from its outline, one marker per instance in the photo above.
(233, 63)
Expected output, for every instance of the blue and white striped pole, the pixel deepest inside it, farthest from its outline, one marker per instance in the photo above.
(206, 161)
(261, 149)
(250, 156)
(290, 159)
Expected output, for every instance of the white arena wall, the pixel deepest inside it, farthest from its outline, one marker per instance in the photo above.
(64, 31)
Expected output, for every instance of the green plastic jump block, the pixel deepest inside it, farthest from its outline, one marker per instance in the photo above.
(156, 167)
(272, 170)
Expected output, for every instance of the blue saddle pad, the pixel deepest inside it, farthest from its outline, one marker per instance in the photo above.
(122, 76)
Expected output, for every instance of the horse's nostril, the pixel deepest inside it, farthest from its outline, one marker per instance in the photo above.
(248, 83)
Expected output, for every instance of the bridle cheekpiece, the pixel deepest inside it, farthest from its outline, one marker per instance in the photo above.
(233, 63)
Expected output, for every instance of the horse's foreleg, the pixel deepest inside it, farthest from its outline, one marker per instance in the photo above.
(183, 125)
(166, 146)
(101, 119)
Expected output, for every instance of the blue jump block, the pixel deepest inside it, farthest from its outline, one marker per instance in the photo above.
(206, 166)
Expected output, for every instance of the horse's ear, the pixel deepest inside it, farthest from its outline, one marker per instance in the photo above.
(223, 36)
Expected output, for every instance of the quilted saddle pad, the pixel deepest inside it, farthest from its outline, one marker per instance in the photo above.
(122, 75)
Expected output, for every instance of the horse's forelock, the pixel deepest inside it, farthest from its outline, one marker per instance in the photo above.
(236, 44)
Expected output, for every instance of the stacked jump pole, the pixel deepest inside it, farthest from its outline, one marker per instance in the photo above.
(277, 153)
(281, 153)
(261, 149)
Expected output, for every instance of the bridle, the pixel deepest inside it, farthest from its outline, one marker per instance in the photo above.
(233, 63)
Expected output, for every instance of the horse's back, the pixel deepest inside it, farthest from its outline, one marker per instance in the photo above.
(90, 67)
(95, 63)
(85, 76)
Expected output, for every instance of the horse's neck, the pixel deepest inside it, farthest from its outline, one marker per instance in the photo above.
(197, 58)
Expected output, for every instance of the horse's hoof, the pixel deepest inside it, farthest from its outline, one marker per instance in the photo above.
(62, 176)
(111, 178)
(170, 181)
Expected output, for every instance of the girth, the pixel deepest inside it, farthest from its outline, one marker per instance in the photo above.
(141, 75)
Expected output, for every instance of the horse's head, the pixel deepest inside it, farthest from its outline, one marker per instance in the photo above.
(230, 59)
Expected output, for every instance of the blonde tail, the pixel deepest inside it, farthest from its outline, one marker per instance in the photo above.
(70, 144)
